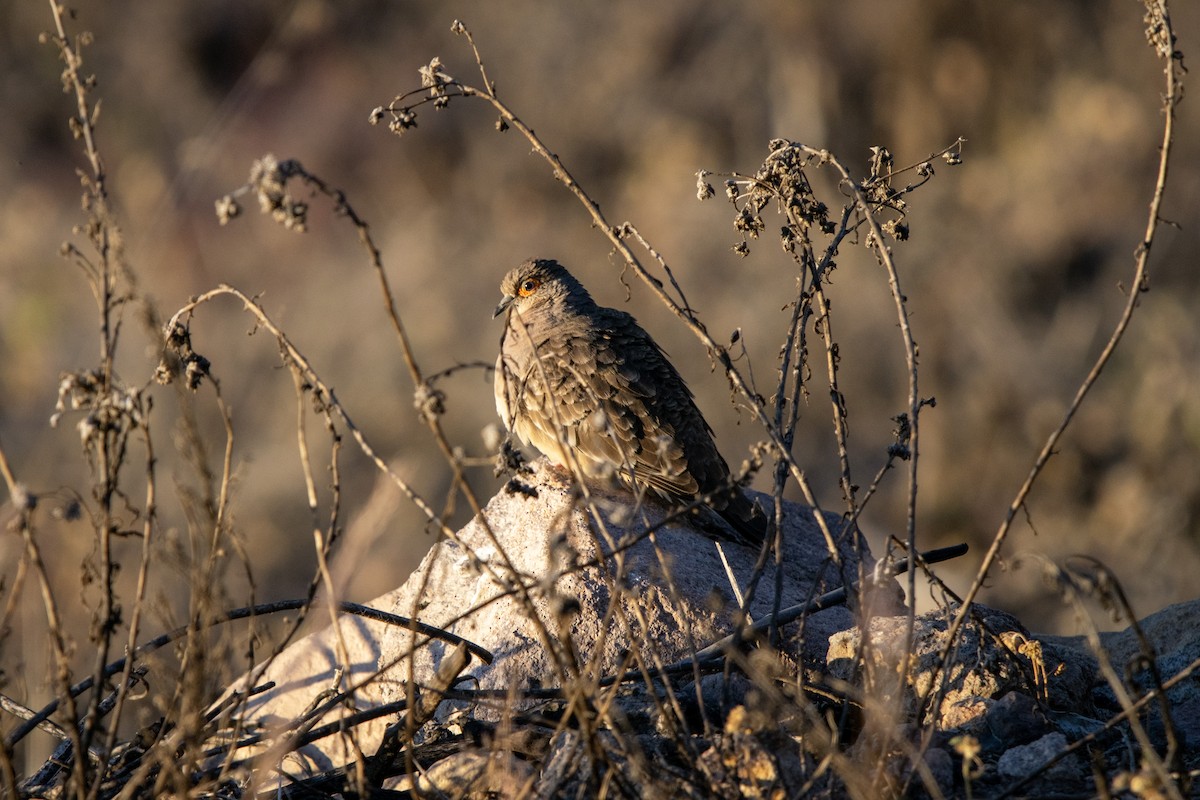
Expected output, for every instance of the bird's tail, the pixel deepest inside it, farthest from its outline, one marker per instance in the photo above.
(746, 518)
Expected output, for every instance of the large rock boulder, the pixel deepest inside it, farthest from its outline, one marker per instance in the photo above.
(562, 590)
(1019, 707)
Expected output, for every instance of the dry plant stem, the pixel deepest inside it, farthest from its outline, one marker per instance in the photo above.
(109, 445)
(7, 768)
(884, 254)
(310, 485)
(314, 734)
(297, 358)
(73, 61)
(1112, 588)
(612, 574)
(400, 734)
(205, 505)
(792, 362)
(791, 367)
(721, 649)
(209, 538)
(1102, 581)
(431, 417)
(248, 612)
(1140, 284)
(303, 734)
(24, 505)
(322, 546)
(214, 510)
(1126, 713)
(62, 676)
(15, 493)
(616, 236)
(432, 420)
(837, 400)
(322, 542)
(1149, 756)
(214, 504)
(57, 641)
(148, 527)
(773, 545)
(343, 207)
(579, 683)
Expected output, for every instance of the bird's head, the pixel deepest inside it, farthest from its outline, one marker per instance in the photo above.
(538, 283)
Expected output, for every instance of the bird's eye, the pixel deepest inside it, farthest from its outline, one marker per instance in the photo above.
(528, 287)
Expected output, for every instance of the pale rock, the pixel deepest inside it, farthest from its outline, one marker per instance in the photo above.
(536, 586)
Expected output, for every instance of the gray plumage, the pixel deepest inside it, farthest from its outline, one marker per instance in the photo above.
(576, 373)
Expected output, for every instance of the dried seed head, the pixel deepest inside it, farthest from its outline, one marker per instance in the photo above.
(429, 402)
(227, 209)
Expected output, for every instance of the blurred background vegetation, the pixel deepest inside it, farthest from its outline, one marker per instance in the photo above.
(1013, 272)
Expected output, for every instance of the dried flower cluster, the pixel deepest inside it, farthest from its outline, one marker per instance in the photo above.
(178, 354)
(268, 180)
(782, 180)
(437, 87)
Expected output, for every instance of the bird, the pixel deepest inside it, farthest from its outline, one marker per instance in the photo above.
(587, 386)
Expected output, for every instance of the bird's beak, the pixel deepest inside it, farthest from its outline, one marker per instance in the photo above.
(504, 304)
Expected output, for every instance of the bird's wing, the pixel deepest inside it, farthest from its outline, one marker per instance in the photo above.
(598, 392)
(593, 387)
(654, 411)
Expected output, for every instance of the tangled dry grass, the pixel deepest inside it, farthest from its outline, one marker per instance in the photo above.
(137, 719)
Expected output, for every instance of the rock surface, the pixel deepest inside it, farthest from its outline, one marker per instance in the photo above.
(998, 677)
(1017, 762)
(558, 594)
(563, 592)
(1012, 702)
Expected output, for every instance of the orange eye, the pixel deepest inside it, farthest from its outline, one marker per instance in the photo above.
(528, 287)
